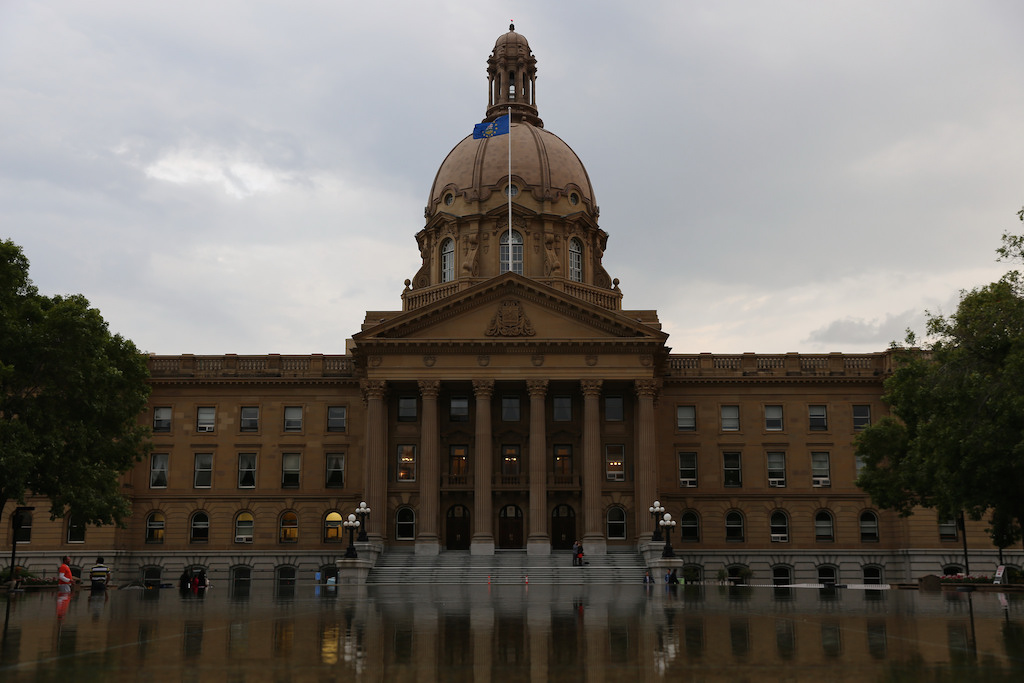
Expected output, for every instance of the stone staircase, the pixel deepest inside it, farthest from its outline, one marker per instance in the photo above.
(504, 567)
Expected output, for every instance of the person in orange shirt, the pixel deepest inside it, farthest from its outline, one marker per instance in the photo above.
(64, 578)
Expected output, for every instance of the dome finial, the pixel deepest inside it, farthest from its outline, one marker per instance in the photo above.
(512, 25)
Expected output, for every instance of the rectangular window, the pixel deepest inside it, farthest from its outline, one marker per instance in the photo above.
(861, 417)
(246, 470)
(206, 418)
(510, 408)
(687, 469)
(250, 419)
(613, 409)
(291, 465)
(686, 418)
(773, 418)
(458, 409)
(732, 471)
(458, 463)
(563, 464)
(817, 418)
(615, 462)
(335, 471)
(203, 473)
(162, 419)
(158, 471)
(776, 469)
(562, 408)
(407, 463)
(510, 463)
(406, 408)
(947, 529)
(293, 418)
(730, 418)
(337, 418)
(820, 470)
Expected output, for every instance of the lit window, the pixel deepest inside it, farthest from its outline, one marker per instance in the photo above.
(686, 418)
(243, 527)
(155, 527)
(732, 470)
(289, 528)
(616, 522)
(337, 418)
(517, 250)
(206, 418)
(335, 471)
(563, 464)
(448, 259)
(613, 409)
(333, 527)
(817, 418)
(575, 259)
(199, 528)
(861, 417)
(773, 418)
(458, 463)
(293, 418)
(158, 470)
(249, 420)
(407, 463)
(203, 472)
(510, 463)
(291, 464)
(687, 469)
(730, 418)
(615, 466)
(246, 470)
(162, 419)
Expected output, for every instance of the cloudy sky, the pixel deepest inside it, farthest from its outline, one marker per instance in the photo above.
(247, 176)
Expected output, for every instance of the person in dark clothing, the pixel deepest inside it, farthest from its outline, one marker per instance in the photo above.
(99, 576)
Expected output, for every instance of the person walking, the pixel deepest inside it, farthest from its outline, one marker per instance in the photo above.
(99, 576)
(64, 578)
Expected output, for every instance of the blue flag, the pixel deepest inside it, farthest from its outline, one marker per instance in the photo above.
(498, 126)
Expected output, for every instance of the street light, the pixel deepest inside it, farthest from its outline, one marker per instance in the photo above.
(16, 519)
(351, 524)
(362, 512)
(656, 511)
(667, 523)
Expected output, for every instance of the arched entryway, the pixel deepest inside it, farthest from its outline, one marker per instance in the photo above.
(510, 527)
(563, 527)
(457, 528)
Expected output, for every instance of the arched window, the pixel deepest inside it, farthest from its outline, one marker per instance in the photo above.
(734, 526)
(616, 522)
(952, 570)
(517, 253)
(872, 574)
(21, 526)
(823, 526)
(405, 524)
(689, 527)
(151, 577)
(288, 528)
(448, 260)
(827, 575)
(779, 527)
(868, 527)
(333, 527)
(76, 529)
(241, 581)
(576, 260)
(155, 527)
(199, 528)
(781, 575)
(243, 527)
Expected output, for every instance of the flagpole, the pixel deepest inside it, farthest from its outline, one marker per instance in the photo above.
(510, 189)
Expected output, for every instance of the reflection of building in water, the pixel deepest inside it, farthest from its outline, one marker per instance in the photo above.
(511, 633)
(513, 403)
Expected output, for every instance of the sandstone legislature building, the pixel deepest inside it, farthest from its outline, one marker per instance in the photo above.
(511, 402)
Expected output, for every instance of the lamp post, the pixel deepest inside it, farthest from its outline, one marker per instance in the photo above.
(362, 512)
(15, 529)
(656, 511)
(667, 523)
(351, 524)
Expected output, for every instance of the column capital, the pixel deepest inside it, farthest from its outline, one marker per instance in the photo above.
(537, 387)
(483, 388)
(373, 388)
(429, 388)
(591, 387)
(647, 388)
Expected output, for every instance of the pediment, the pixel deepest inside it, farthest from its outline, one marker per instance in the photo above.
(511, 309)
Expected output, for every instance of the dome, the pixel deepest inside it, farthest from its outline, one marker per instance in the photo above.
(542, 164)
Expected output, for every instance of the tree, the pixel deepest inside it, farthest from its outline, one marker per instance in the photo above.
(955, 441)
(70, 397)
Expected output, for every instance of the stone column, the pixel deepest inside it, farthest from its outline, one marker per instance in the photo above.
(594, 541)
(376, 466)
(482, 542)
(538, 541)
(646, 471)
(427, 537)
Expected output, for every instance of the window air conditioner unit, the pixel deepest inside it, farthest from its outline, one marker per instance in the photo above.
(243, 539)
(780, 538)
(777, 483)
(819, 482)
(204, 428)
(688, 483)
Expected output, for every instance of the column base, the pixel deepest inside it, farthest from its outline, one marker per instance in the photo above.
(538, 546)
(481, 546)
(428, 546)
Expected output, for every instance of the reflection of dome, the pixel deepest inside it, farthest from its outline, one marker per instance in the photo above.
(542, 164)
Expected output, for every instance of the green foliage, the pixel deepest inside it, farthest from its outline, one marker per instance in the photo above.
(70, 397)
(957, 440)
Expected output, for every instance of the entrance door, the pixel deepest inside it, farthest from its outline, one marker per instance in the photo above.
(563, 527)
(510, 527)
(457, 528)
